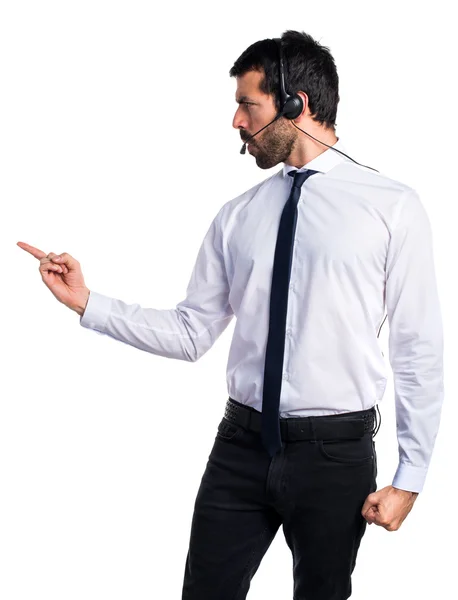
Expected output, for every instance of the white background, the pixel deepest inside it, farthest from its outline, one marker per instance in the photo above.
(117, 146)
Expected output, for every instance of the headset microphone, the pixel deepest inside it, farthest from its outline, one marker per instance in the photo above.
(291, 107)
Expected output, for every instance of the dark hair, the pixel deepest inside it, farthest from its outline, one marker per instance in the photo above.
(309, 67)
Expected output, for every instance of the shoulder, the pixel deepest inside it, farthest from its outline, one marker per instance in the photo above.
(238, 203)
(369, 178)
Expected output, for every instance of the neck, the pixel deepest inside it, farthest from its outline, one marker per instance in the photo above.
(306, 149)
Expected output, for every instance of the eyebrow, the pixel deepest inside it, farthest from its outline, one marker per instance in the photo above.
(244, 99)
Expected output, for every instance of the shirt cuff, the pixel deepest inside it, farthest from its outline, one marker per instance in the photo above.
(97, 311)
(410, 478)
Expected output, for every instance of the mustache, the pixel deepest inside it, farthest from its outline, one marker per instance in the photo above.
(244, 139)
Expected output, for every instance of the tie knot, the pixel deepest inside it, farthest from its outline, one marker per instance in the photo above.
(301, 176)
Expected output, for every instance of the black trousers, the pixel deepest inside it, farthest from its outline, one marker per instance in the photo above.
(315, 489)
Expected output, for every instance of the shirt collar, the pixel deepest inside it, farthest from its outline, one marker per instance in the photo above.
(323, 162)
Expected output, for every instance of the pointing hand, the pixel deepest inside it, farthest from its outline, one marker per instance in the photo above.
(63, 277)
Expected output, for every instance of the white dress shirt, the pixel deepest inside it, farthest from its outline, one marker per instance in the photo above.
(362, 243)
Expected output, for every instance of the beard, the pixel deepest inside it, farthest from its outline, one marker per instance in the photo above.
(274, 146)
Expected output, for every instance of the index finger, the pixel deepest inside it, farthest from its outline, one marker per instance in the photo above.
(33, 251)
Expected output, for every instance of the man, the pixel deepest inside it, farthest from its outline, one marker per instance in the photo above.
(347, 243)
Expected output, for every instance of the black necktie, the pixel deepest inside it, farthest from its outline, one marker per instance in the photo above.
(270, 424)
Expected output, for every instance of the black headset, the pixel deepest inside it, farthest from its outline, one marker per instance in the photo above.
(291, 106)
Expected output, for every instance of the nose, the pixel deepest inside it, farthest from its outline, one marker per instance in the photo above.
(239, 121)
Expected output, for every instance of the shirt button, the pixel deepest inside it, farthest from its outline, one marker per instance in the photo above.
(291, 286)
(285, 376)
(288, 331)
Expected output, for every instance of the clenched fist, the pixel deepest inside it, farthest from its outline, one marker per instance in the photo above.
(62, 275)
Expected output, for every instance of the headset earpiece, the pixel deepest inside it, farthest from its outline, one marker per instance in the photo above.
(292, 107)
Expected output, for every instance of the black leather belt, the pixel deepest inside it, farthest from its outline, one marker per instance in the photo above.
(349, 425)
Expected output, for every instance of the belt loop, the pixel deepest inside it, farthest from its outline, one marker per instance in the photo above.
(312, 427)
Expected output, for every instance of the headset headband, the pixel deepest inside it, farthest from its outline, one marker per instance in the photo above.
(283, 94)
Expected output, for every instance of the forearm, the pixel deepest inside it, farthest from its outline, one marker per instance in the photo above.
(183, 333)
